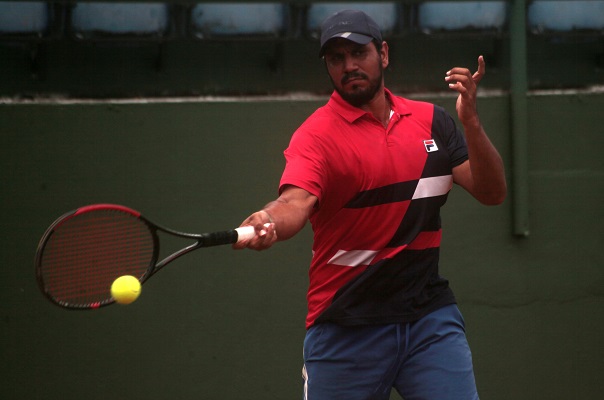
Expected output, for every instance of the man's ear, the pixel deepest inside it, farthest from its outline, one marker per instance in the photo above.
(384, 55)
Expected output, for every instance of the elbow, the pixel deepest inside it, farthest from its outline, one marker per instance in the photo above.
(495, 201)
(493, 197)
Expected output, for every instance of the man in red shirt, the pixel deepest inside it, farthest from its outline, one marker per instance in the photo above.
(370, 170)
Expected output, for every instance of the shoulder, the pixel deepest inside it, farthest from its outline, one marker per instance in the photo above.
(413, 104)
(318, 124)
(417, 109)
(430, 112)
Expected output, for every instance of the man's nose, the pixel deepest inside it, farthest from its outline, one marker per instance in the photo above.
(350, 63)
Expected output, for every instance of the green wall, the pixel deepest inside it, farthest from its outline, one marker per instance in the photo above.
(220, 324)
(224, 324)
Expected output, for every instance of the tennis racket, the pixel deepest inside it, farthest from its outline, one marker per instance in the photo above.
(85, 250)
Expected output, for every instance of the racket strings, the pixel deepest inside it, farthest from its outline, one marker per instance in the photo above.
(86, 253)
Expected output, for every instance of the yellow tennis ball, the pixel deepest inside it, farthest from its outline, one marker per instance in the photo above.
(125, 289)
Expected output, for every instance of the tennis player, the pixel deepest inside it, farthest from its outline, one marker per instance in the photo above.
(370, 170)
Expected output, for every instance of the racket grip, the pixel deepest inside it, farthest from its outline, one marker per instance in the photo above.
(247, 232)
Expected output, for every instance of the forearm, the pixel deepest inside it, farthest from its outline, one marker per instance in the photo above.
(288, 218)
(488, 174)
(280, 219)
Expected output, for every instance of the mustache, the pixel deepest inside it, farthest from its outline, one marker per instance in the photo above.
(353, 75)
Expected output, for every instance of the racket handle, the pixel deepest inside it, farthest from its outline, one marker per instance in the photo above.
(247, 232)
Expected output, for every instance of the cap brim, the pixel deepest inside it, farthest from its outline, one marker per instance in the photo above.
(354, 37)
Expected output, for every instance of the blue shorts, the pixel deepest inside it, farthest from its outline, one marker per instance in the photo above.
(428, 359)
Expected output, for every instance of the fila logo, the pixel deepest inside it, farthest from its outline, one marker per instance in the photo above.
(430, 146)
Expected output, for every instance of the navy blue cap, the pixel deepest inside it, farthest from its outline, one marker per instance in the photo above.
(349, 24)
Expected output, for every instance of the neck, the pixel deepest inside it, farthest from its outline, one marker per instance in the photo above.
(379, 107)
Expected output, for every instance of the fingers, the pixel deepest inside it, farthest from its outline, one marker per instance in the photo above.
(265, 236)
(462, 80)
(459, 79)
(481, 70)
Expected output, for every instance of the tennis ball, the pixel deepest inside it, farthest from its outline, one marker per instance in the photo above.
(125, 289)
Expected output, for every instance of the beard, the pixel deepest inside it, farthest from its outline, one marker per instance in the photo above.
(360, 96)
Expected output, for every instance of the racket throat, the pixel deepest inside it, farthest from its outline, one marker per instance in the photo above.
(176, 255)
(203, 240)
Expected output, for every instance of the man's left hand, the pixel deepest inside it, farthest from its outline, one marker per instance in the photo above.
(466, 83)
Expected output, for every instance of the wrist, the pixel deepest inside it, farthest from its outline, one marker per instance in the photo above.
(472, 124)
(268, 216)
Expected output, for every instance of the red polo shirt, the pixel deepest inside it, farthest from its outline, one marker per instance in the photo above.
(377, 224)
